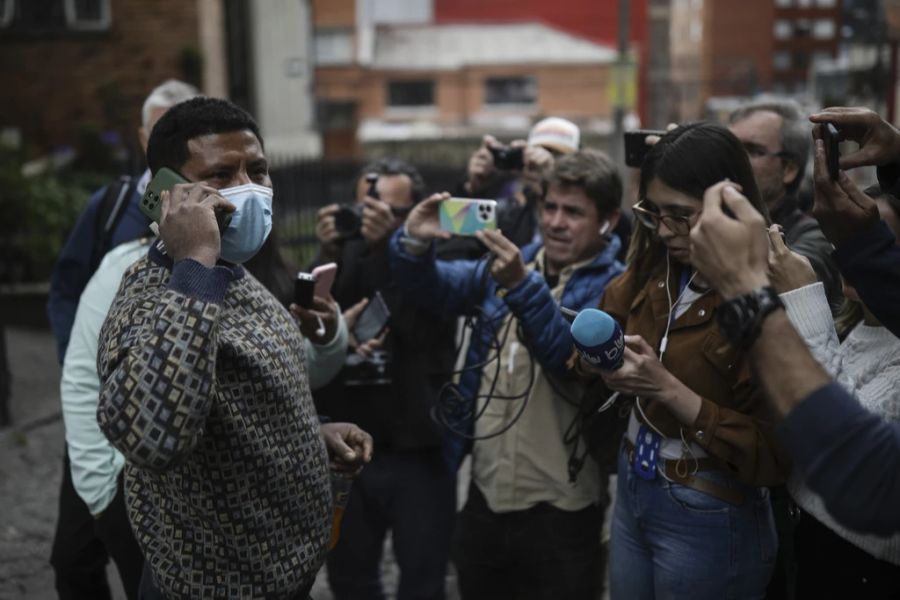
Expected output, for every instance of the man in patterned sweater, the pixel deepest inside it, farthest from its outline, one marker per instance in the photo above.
(205, 389)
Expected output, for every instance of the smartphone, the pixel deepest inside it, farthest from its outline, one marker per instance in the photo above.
(166, 179)
(832, 137)
(303, 289)
(324, 275)
(636, 147)
(372, 320)
(151, 202)
(463, 216)
(508, 158)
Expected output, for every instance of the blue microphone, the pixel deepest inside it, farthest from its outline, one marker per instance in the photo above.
(599, 339)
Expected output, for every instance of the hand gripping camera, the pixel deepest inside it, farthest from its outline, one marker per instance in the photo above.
(348, 218)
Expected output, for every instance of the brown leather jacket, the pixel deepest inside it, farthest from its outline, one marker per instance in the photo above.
(734, 425)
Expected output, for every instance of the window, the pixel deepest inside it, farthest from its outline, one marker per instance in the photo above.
(825, 3)
(782, 60)
(783, 29)
(801, 60)
(88, 14)
(804, 3)
(333, 47)
(802, 28)
(783, 3)
(40, 16)
(823, 29)
(821, 56)
(510, 90)
(410, 94)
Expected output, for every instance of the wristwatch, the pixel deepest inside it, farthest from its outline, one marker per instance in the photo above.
(741, 318)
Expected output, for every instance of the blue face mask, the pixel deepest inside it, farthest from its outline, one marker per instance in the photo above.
(250, 224)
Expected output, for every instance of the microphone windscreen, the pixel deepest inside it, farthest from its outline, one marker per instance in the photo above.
(598, 338)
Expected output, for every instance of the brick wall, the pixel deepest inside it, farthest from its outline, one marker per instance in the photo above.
(51, 82)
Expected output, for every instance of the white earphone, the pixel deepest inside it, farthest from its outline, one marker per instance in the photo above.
(604, 228)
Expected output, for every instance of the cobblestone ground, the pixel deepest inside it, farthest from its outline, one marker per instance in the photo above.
(30, 469)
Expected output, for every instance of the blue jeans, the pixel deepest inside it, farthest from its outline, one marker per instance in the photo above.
(671, 541)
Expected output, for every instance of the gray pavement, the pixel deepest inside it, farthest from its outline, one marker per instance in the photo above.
(30, 471)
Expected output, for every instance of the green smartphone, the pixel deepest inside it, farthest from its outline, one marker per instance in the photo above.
(166, 179)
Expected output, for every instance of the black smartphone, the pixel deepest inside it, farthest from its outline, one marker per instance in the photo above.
(636, 147)
(507, 158)
(166, 179)
(832, 138)
(304, 285)
(373, 319)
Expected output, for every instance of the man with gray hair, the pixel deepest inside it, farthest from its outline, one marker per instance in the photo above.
(84, 542)
(776, 135)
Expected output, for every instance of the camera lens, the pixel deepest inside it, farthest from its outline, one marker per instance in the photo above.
(347, 222)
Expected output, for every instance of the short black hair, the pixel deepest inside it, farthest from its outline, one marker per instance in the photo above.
(168, 143)
(395, 166)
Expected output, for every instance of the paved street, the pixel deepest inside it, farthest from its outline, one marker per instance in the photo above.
(30, 472)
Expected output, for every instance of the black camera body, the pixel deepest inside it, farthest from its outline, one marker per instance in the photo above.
(348, 218)
(508, 158)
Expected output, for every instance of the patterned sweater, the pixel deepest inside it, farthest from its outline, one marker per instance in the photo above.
(205, 392)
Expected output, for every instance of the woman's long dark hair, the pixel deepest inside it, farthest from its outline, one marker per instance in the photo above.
(690, 159)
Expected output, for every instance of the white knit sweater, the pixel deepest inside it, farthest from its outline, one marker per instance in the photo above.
(868, 365)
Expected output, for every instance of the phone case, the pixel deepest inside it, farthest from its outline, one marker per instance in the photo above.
(464, 217)
(832, 139)
(373, 319)
(636, 147)
(324, 275)
(151, 202)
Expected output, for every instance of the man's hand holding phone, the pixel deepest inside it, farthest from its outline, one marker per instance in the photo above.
(879, 141)
(188, 225)
(424, 223)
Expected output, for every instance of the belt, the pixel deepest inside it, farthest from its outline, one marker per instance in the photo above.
(682, 471)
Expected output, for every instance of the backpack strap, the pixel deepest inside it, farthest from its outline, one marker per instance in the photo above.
(109, 213)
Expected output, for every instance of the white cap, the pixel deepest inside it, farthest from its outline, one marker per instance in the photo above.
(555, 133)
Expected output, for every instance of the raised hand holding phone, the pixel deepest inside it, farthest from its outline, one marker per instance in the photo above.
(423, 222)
(188, 225)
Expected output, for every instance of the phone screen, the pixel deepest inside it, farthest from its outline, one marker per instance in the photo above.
(373, 319)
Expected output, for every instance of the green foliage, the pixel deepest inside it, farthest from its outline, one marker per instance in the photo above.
(38, 212)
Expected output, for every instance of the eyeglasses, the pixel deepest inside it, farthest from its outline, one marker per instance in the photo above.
(679, 225)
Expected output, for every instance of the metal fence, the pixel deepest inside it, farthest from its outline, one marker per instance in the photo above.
(302, 188)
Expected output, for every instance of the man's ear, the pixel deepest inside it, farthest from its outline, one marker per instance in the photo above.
(791, 172)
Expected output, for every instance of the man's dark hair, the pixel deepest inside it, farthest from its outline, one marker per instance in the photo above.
(395, 166)
(168, 143)
(593, 172)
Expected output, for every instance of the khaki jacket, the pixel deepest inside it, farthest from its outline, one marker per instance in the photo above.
(734, 425)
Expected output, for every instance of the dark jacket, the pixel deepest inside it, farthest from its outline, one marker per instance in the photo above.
(76, 262)
(803, 235)
(421, 349)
